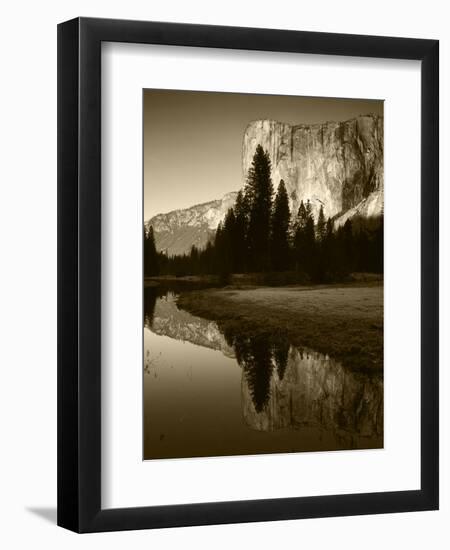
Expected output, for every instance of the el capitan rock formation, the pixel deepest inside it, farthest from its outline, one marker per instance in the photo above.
(338, 165)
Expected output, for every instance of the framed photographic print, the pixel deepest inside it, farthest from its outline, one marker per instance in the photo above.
(248, 275)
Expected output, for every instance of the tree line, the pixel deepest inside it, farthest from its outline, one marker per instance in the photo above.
(259, 234)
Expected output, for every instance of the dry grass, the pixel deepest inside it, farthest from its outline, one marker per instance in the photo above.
(344, 321)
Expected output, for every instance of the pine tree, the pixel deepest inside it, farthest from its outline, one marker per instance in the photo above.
(304, 241)
(302, 216)
(241, 211)
(208, 259)
(218, 249)
(150, 255)
(320, 267)
(321, 225)
(194, 257)
(222, 252)
(229, 241)
(329, 229)
(298, 235)
(348, 246)
(258, 193)
(328, 252)
(309, 213)
(279, 238)
(310, 244)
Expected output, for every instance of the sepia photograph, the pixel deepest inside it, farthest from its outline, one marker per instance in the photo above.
(262, 274)
(247, 324)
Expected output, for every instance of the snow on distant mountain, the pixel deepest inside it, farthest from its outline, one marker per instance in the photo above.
(176, 231)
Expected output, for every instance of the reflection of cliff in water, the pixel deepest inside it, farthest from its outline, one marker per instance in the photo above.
(287, 387)
(316, 392)
(282, 386)
(150, 296)
(163, 317)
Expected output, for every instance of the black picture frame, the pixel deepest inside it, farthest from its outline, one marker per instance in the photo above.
(79, 274)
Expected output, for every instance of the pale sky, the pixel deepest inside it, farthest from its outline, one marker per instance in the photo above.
(193, 140)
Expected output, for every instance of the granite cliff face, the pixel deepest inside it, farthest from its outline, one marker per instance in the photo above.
(336, 164)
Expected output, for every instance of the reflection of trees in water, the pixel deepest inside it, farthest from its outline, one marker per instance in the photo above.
(257, 355)
(229, 334)
(280, 354)
(150, 295)
(163, 289)
(283, 385)
(257, 366)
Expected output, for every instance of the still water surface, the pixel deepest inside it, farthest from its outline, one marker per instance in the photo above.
(210, 393)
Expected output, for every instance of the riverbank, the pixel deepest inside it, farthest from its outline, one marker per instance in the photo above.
(343, 321)
(272, 279)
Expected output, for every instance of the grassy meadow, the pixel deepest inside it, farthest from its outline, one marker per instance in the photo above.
(342, 320)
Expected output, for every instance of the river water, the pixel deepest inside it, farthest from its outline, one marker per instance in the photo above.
(212, 393)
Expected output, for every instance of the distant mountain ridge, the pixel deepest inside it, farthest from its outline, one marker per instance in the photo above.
(338, 165)
(176, 231)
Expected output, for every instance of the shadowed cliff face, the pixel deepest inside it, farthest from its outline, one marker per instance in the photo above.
(337, 164)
